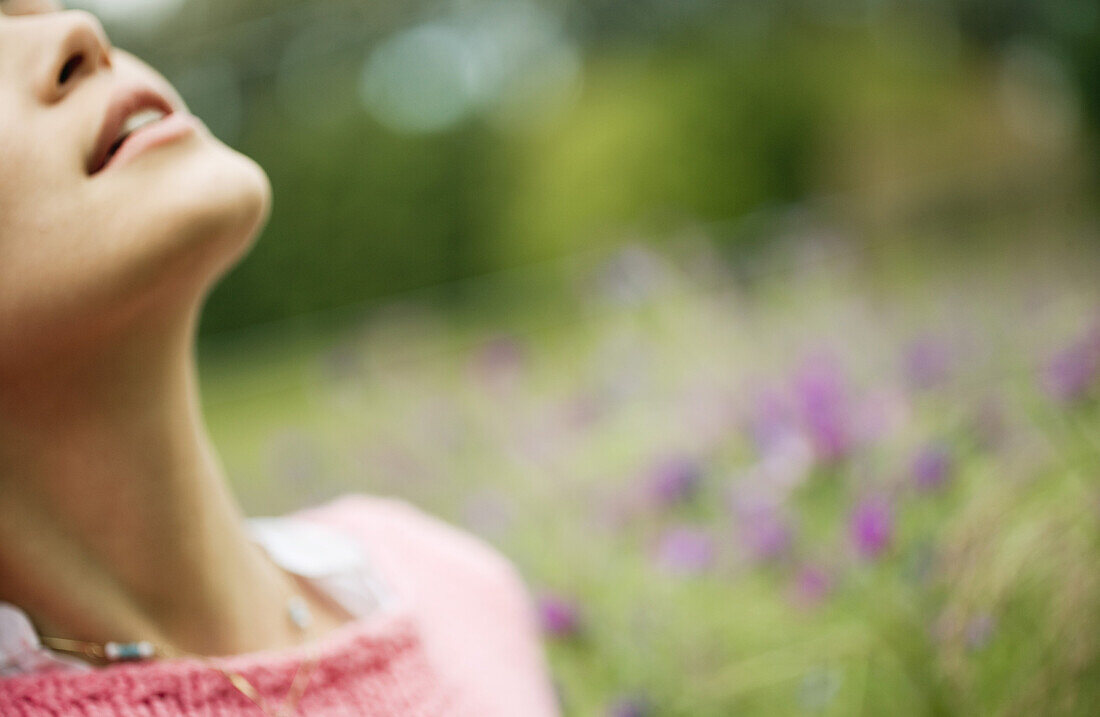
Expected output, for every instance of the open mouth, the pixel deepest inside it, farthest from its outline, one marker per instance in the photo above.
(132, 111)
(133, 123)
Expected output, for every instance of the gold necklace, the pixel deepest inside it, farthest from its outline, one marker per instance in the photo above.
(143, 650)
(289, 704)
(114, 652)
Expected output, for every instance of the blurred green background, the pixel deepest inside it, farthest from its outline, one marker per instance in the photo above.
(415, 144)
(763, 337)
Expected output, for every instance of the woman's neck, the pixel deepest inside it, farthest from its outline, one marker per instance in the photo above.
(117, 523)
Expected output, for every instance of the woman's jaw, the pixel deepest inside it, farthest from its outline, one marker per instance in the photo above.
(86, 257)
(89, 259)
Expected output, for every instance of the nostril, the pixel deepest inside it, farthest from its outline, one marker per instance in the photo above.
(69, 68)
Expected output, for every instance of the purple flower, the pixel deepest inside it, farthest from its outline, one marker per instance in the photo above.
(674, 479)
(584, 409)
(614, 509)
(1069, 374)
(630, 706)
(811, 586)
(774, 477)
(500, 363)
(559, 616)
(771, 422)
(685, 551)
(927, 363)
(979, 631)
(988, 423)
(822, 402)
(932, 467)
(763, 530)
(881, 414)
(871, 526)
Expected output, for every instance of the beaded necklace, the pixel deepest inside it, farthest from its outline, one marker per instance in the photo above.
(114, 652)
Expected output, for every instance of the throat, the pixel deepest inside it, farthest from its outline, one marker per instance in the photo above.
(233, 601)
(116, 519)
(116, 523)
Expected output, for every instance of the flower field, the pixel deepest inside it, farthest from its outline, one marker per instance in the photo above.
(826, 481)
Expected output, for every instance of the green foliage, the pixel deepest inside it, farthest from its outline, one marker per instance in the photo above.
(713, 117)
(661, 140)
(654, 142)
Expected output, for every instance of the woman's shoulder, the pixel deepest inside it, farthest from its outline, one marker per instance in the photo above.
(471, 602)
(421, 553)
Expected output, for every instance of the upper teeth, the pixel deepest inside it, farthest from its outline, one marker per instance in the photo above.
(138, 120)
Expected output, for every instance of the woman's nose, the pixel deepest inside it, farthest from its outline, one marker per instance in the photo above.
(79, 49)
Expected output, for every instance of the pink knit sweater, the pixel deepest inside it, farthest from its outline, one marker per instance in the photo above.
(462, 640)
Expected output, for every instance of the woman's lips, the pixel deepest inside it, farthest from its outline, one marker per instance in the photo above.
(169, 129)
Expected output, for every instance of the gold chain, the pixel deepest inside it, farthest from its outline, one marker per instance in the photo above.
(298, 613)
(287, 706)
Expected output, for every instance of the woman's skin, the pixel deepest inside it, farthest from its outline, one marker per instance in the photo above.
(115, 519)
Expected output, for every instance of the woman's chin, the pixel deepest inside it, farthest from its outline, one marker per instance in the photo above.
(229, 203)
(140, 245)
(202, 206)
(176, 220)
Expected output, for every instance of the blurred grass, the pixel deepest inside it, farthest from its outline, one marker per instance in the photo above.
(537, 425)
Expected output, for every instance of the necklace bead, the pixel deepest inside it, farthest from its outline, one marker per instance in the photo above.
(299, 613)
(128, 651)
